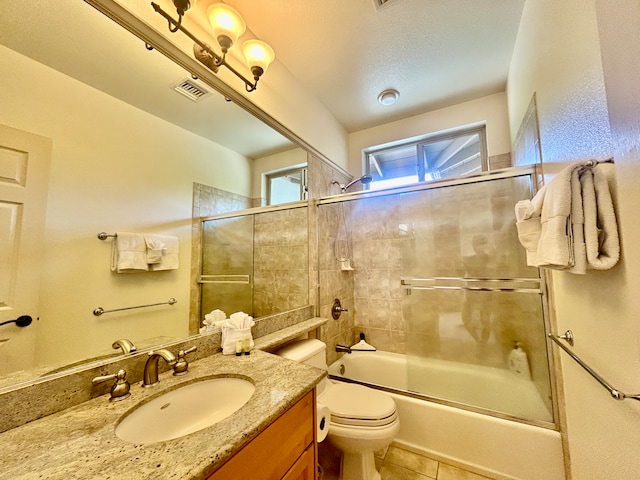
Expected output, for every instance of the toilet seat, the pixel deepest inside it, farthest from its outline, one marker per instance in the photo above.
(359, 406)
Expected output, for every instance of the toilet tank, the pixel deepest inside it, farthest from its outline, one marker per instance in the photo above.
(310, 352)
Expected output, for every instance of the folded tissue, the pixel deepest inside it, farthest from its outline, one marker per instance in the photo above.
(236, 327)
(211, 320)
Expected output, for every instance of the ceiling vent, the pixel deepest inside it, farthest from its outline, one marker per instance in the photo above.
(191, 89)
(382, 3)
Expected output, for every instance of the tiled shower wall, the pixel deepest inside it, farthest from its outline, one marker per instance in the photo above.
(281, 261)
(334, 283)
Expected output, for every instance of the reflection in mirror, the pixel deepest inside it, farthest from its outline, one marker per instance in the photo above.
(256, 263)
(125, 152)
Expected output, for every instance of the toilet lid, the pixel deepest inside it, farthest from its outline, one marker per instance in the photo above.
(357, 405)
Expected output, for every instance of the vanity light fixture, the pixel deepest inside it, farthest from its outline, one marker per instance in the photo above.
(227, 26)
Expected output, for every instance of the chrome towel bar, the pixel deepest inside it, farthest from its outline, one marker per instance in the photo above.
(479, 284)
(615, 393)
(99, 311)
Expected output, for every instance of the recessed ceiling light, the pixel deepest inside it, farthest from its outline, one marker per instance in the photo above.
(388, 97)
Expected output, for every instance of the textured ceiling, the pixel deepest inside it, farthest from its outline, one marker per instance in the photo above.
(436, 53)
(345, 52)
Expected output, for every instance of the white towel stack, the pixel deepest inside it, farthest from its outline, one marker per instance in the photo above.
(236, 327)
(570, 224)
(214, 319)
(136, 252)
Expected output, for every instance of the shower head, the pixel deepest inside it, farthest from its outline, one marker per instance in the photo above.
(365, 180)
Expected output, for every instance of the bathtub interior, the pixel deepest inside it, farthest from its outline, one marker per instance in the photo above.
(494, 391)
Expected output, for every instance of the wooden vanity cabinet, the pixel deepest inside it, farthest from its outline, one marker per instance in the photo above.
(285, 450)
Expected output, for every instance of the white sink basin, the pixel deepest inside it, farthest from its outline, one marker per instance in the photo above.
(185, 410)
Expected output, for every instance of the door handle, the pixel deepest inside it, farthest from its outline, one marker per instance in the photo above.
(22, 321)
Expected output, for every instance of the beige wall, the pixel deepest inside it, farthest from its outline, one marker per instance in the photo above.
(491, 110)
(114, 168)
(558, 56)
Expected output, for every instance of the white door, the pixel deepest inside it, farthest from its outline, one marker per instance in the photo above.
(24, 178)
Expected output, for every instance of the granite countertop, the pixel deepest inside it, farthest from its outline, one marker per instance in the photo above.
(80, 443)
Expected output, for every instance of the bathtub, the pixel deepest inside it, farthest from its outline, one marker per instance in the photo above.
(451, 424)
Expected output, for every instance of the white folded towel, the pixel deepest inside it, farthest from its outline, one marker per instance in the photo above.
(129, 253)
(215, 316)
(600, 224)
(155, 249)
(240, 320)
(570, 224)
(555, 248)
(169, 259)
(529, 226)
(214, 319)
(237, 326)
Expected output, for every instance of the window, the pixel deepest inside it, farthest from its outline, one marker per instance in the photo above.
(287, 186)
(451, 154)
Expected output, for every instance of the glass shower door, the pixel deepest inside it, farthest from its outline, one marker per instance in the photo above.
(475, 330)
(227, 265)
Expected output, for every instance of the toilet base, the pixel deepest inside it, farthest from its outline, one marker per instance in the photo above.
(358, 466)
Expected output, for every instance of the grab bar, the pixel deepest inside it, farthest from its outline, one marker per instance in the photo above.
(99, 311)
(615, 393)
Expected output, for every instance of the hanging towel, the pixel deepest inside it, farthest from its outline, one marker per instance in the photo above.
(129, 253)
(555, 247)
(169, 259)
(600, 225)
(528, 224)
(155, 248)
(570, 224)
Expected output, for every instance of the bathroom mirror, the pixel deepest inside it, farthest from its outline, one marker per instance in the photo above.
(126, 145)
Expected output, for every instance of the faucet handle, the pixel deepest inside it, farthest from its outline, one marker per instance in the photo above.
(120, 389)
(181, 366)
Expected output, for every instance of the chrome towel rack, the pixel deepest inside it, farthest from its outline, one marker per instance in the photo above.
(569, 337)
(99, 311)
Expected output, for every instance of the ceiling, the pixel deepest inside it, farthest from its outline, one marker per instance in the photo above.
(436, 53)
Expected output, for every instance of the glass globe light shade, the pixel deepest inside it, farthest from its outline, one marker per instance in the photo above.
(258, 54)
(227, 24)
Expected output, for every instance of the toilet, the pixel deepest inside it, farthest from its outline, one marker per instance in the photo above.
(363, 420)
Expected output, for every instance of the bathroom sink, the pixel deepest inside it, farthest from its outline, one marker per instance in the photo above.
(185, 410)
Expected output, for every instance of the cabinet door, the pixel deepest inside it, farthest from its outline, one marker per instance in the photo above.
(304, 468)
(271, 454)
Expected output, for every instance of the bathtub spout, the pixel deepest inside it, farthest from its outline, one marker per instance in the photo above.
(343, 349)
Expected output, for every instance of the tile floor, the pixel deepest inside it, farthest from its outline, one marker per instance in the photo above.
(398, 464)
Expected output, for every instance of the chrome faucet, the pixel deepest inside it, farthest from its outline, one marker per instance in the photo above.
(343, 348)
(127, 346)
(150, 375)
